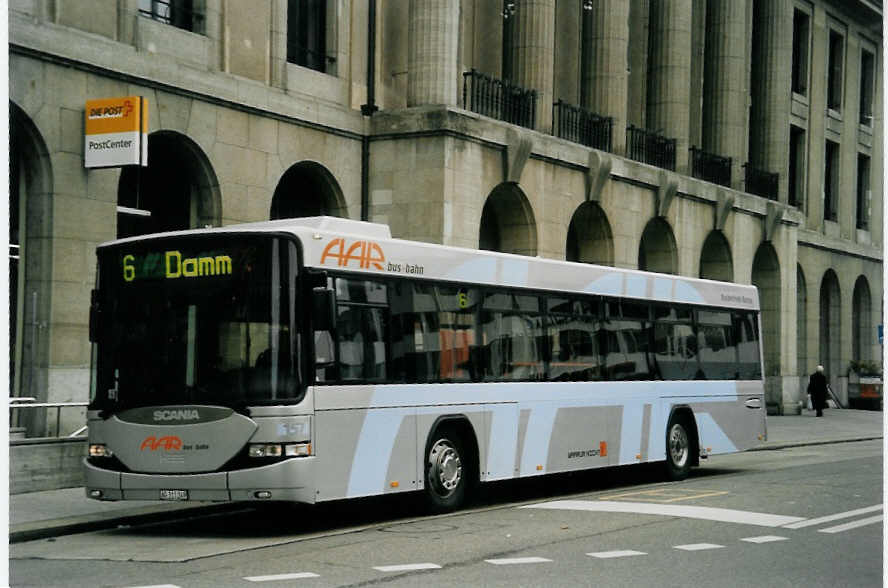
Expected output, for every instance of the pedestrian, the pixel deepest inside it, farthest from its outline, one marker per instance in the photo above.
(817, 389)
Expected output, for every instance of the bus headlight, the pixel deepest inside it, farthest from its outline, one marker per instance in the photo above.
(99, 450)
(265, 450)
(278, 450)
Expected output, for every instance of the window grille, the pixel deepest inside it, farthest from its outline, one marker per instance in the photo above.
(188, 15)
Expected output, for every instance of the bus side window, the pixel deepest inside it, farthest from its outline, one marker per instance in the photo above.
(718, 348)
(574, 333)
(457, 338)
(324, 352)
(416, 347)
(675, 343)
(748, 350)
(511, 326)
(361, 329)
(626, 350)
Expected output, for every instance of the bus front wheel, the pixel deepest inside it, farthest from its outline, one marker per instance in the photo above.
(445, 472)
(678, 448)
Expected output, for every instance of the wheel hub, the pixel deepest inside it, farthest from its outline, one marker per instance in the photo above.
(446, 467)
(679, 448)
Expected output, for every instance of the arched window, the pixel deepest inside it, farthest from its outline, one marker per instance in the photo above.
(507, 222)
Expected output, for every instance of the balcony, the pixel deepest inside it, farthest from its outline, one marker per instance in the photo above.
(582, 126)
(761, 183)
(649, 147)
(710, 167)
(499, 99)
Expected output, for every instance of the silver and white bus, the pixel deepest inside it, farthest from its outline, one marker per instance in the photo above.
(318, 359)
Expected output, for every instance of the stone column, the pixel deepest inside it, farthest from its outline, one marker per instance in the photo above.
(533, 55)
(639, 36)
(698, 54)
(432, 52)
(278, 44)
(568, 51)
(605, 73)
(669, 74)
(724, 85)
(771, 84)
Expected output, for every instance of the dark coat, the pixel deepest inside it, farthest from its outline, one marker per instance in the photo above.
(817, 390)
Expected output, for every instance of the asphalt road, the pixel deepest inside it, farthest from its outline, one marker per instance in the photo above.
(808, 516)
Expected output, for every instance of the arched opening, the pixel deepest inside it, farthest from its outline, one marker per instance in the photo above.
(177, 190)
(861, 322)
(507, 222)
(30, 272)
(715, 258)
(307, 189)
(801, 322)
(589, 237)
(657, 251)
(830, 324)
(766, 277)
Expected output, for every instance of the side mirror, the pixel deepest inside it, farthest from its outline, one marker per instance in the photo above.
(95, 316)
(323, 309)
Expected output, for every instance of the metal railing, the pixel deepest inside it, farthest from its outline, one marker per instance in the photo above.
(582, 126)
(761, 183)
(19, 403)
(710, 167)
(649, 147)
(499, 99)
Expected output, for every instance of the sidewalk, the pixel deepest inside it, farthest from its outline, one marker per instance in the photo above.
(57, 512)
(836, 426)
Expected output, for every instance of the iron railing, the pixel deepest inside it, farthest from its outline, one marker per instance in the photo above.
(761, 183)
(499, 99)
(20, 403)
(649, 147)
(582, 126)
(710, 167)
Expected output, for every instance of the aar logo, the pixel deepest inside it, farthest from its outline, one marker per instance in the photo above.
(365, 253)
(167, 442)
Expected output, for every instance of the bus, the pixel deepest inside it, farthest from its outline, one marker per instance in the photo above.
(318, 359)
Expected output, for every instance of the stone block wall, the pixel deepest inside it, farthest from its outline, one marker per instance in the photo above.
(45, 464)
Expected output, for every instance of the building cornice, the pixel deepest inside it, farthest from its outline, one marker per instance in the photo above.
(101, 56)
(453, 122)
(815, 240)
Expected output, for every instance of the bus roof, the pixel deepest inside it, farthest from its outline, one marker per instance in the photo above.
(365, 247)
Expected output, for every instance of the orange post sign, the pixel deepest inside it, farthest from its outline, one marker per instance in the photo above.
(116, 132)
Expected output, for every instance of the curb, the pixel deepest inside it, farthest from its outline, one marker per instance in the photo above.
(85, 523)
(790, 444)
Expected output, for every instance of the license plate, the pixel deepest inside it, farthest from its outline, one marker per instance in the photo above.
(174, 494)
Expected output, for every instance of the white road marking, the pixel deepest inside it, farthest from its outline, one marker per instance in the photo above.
(698, 546)
(723, 515)
(852, 525)
(834, 517)
(612, 554)
(764, 539)
(517, 560)
(408, 567)
(281, 577)
(156, 586)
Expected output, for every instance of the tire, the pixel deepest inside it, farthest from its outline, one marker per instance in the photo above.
(446, 471)
(678, 448)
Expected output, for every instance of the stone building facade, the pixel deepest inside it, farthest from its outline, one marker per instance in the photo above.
(739, 140)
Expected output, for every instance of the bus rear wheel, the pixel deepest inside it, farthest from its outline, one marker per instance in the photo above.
(678, 448)
(445, 472)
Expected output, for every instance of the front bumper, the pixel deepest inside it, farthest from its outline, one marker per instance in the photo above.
(291, 480)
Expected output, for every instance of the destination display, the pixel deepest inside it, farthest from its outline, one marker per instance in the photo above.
(173, 264)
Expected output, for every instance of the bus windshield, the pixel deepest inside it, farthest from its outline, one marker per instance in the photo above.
(194, 320)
